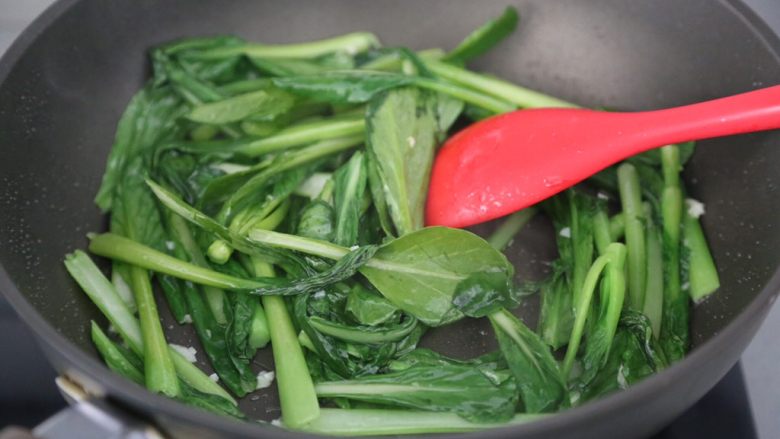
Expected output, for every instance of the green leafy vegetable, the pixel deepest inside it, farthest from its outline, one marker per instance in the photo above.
(369, 308)
(702, 274)
(418, 272)
(540, 383)
(349, 185)
(380, 422)
(296, 390)
(456, 388)
(317, 221)
(276, 193)
(116, 359)
(263, 104)
(343, 87)
(366, 335)
(484, 37)
(674, 321)
(630, 198)
(402, 139)
(482, 294)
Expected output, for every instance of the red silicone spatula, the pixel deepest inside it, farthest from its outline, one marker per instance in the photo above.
(511, 161)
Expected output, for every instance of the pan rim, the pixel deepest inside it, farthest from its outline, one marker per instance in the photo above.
(164, 407)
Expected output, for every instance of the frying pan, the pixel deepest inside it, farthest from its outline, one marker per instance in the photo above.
(66, 80)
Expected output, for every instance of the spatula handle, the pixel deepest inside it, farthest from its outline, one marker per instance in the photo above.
(757, 110)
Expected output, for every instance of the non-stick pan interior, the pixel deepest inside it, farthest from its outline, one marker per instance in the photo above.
(60, 103)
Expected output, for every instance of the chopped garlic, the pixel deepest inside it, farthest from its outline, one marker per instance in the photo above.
(187, 352)
(565, 232)
(695, 208)
(214, 377)
(264, 379)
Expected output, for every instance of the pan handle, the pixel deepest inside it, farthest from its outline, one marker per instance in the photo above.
(86, 417)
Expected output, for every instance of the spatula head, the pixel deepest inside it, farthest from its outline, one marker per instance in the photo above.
(508, 162)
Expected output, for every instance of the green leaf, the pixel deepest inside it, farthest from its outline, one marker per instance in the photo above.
(262, 104)
(135, 212)
(363, 334)
(542, 388)
(482, 294)
(208, 402)
(149, 118)
(343, 269)
(345, 359)
(420, 272)
(615, 256)
(457, 388)
(235, 375)
(116, 359)
(378, 196)
(357, 86)
(447, 111)
(625, 366)
(487, 363)
(290, 262)
(485, 37)
(349, 186)
(634, 355)
(317, 221)
(610, 306)
(556, 318)
(369, 308)
(306, 158)
(174, 297)
(402, 128)
(639, 325)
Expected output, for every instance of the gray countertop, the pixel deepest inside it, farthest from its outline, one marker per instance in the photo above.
(762, 356)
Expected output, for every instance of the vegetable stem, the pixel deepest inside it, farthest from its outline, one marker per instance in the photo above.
(674, 323)
(104, 295)
(601, 233)
(381, 422)
(100, 291)
(583, 307)
(296, 389)
(302, 134)
(654, 286)
(158, 365)
(490, 103)
(513, 223)
(115, 360)
(192, 375)
(352, 43)
(117, 247)
(498, 88)
(356, 335)
(181, 232)
(702, 274)
(631, 200)
(309, 246)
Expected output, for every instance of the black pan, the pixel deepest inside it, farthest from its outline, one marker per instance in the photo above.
(65, 82)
